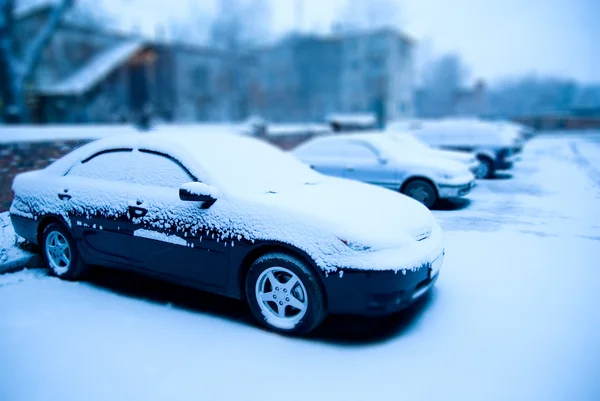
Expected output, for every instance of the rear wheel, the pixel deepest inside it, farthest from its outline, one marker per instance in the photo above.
(284, 294)
(422, 191)
(60, 252)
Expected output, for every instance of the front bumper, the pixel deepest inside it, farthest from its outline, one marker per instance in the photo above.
(455, 191)
(376, 286)
(379, 293)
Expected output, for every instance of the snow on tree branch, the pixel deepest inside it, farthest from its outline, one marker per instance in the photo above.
(36, 47)
(17, 70)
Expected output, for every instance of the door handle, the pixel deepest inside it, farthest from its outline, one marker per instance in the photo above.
(64, 197)
(136, 211)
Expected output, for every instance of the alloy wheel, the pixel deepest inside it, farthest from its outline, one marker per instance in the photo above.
(281, 295)
(58, 252)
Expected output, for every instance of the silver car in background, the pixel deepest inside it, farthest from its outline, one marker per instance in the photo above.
(376, 159)
(410, 142)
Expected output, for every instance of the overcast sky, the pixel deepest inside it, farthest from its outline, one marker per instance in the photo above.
(496, 38)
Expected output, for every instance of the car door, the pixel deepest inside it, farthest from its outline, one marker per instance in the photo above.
(363, 163)
(96, 192)
(170, 238)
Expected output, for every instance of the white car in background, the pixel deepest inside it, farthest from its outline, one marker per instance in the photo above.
(409, 142)
(379, 160)
(523, 131)
(497, 146)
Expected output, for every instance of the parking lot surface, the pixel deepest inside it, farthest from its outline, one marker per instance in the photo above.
(514, 315)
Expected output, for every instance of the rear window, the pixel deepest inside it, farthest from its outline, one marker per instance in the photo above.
(111, 165)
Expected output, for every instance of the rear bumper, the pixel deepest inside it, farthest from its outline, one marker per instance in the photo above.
(379, 293)
(455, 191)
(25, 227)
(506, 159)
(514, 158)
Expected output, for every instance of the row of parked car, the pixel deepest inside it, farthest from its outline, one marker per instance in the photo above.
(236, 216)
(426, 160)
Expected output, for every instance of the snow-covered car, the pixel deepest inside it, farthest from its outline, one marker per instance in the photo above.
(377, 159)
(411, 143)
(235, 216)
(523, 131)
(497, 146)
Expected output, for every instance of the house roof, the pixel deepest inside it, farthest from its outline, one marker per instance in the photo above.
(98, 68)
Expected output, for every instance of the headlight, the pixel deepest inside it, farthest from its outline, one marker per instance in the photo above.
(446, 176)
(353, 246)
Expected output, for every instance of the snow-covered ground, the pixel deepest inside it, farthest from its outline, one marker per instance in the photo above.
(514, 316)
(10, 245)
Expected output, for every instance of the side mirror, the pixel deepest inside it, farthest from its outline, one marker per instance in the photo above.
(198, 192)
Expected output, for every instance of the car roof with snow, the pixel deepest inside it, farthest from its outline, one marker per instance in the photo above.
(172, 144)
(235, 161)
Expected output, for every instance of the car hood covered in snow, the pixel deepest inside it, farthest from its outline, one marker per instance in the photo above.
(363, 215)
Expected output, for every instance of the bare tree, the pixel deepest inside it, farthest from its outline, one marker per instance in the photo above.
(17, 69)
(442, 79)
(370, 14)
(240, 25)
(193, 29)
(89, 13)
(531, 95)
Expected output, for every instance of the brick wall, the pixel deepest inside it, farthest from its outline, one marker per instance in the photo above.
(19, 157)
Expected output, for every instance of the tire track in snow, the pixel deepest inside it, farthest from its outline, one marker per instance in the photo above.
(592, 172)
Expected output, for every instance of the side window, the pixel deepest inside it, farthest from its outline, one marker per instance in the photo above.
(112, 165)
(152, 168)
(319, 149)
(357, 151)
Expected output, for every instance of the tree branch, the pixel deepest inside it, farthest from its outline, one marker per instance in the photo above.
(35, 49)
(6, 24)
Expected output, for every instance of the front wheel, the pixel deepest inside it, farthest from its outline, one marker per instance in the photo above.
(422, 191)
(60, 252)
(284, 294)
(486, 169)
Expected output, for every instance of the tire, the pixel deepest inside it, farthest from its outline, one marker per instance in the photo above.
(421, 191)
(60, 253)
(296, 308)
(486, 170)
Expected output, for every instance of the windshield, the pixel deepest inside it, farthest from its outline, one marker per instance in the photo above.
(408, 142)
(239, 164)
